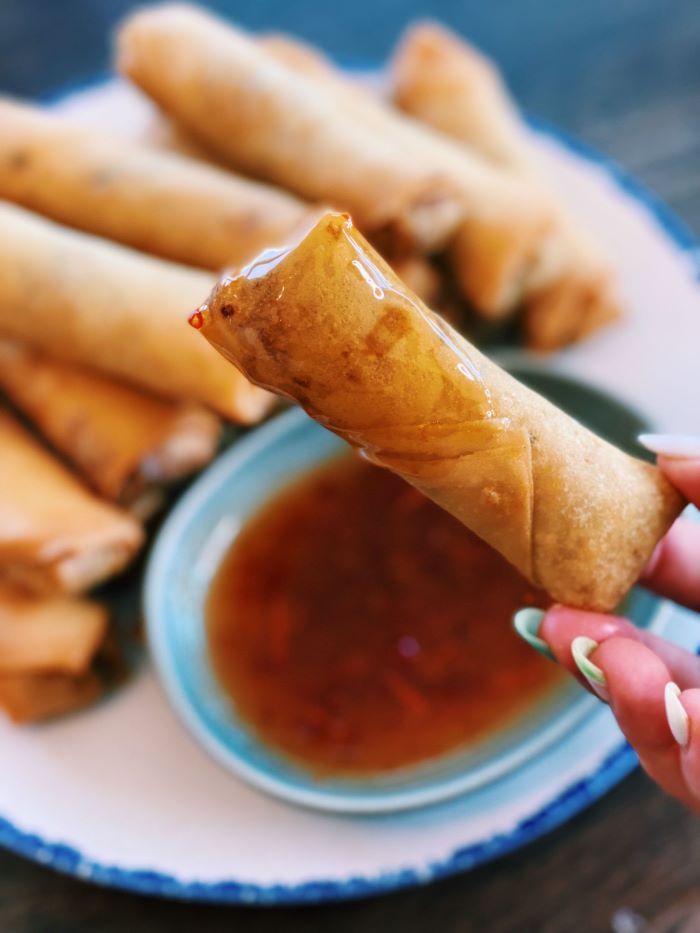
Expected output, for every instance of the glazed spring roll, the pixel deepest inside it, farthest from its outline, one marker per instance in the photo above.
(30, 698)
(158, 202)
(55, 536)
(440, 79)
(276, 122)
(59, 634)
(125, 442)
(328, 323)
(81, 298)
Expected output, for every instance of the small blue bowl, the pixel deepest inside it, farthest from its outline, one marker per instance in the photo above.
(186, 555)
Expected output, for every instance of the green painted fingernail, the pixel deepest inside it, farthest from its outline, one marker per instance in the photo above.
(581, 649)
(526, 623)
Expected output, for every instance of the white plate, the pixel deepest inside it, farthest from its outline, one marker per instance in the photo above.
(122, 795)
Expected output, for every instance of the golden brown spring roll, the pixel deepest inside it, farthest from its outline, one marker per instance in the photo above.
(278, 123)
(30, 698)
(55, 536)
(277, 119)
(421, 277)
(40, 635)
(126, 443)
(328, 324)
(158, 202)
(81, 298)
(440, 79)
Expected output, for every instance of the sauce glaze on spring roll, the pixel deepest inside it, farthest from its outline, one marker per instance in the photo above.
(328, 324)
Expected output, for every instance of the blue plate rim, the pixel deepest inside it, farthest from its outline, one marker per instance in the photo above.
(567, 804)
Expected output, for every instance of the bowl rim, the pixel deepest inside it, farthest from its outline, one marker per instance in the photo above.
(328, 799)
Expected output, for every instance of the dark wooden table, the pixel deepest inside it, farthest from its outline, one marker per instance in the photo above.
(625, 76)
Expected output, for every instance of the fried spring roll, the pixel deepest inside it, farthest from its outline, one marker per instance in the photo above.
(420, 276)
(81, 298)
(55, 536)
(29, 698)
(328, 323)
(61, 634)
(279, 119)
(277, 122)
(125, 442)
(440, 79)
(158, 202)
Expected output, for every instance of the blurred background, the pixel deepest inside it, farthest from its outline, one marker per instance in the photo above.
(623, 75)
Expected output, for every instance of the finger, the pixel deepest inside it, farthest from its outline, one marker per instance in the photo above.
(690, 752)
(684, 474)
(635, 680)
(561, 625)
(674, 570)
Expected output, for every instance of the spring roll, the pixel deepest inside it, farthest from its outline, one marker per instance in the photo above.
(328, 324)
(59, 634)
(81, 299)
(277, 122)
(126, 443)
(440, 79)
(158, 202)
(31, 698)
(55, 536)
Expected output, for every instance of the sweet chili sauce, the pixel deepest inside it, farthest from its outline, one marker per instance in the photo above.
(358, 628)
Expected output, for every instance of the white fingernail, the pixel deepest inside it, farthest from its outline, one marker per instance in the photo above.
(678, 446)
(676, 714)
(581, 648)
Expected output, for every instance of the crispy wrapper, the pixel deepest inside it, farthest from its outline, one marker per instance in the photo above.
(55, 536)
(280, 110)
(125, 442)
(158, 202)
(30, 698)
(328, 324)
(442, 80)
(81, 299)
(59, 634)
(273, 121)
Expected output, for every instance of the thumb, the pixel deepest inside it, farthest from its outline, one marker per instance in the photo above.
(679, 460)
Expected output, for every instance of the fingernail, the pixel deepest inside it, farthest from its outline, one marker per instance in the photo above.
(581, 648)
(678, 446)
(675, 713)
(526, 623)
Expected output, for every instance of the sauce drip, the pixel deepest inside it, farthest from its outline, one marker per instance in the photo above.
(359, 628)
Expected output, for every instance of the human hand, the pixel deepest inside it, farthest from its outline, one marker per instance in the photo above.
(652, 686)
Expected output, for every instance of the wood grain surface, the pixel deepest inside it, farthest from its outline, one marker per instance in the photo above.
(624, 75)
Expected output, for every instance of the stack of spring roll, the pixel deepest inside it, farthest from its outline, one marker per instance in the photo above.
(97, 417)
(252, 138)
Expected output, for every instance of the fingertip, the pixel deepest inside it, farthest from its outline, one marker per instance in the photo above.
(684, 474)
(689, 701)
(636, 679)
(562, 625)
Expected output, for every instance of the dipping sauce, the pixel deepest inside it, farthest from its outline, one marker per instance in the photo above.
(358, 628)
